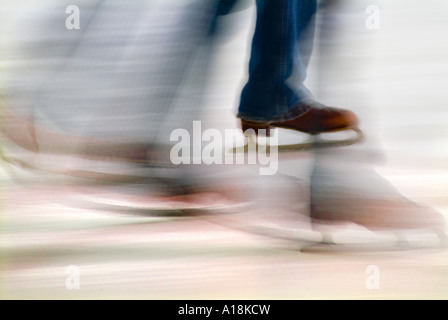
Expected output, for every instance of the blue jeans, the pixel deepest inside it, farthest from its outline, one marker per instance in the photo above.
(281, 50)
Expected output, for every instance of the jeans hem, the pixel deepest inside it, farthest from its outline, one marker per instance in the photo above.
(294, 113)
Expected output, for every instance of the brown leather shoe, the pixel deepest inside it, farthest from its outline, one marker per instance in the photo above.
(318, 119)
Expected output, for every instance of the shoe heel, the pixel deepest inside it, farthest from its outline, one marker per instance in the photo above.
(260, 129)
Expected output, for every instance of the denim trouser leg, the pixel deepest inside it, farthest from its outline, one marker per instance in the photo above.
(281, 50)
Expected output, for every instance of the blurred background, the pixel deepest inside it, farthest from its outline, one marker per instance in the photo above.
(92, 207)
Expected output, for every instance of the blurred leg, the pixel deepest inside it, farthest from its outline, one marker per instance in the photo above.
(281, 50)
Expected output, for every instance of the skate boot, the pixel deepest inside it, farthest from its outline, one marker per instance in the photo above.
(380, 214)
(318, 119)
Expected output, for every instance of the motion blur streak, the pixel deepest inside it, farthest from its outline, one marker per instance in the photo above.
(90, 195)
